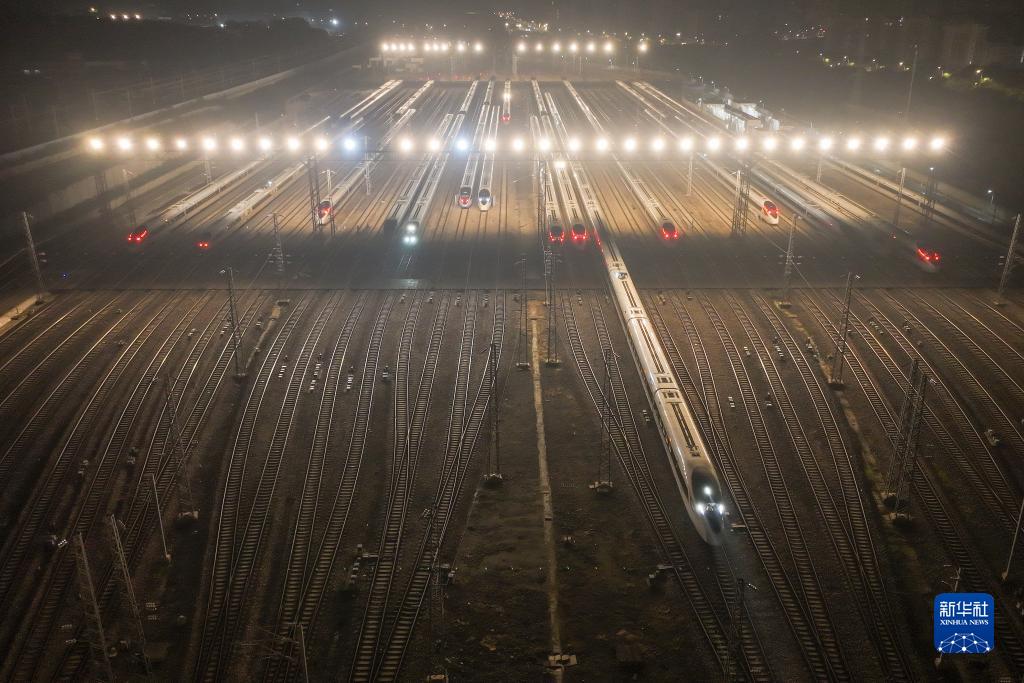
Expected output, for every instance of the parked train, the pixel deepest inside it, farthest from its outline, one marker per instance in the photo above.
(691, 465)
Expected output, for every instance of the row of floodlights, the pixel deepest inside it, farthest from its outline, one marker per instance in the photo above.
(410, 48)
(768, 144)
(574, 47)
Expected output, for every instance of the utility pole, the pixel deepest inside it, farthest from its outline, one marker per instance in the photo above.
(278, 251)
(905, 442)
(899, 196)
(94, 635)
(493, 475)
(129, 202)
(787, 272)
(1010, 262)
(1013, 543)
(31, 246)
(689, 174)
(313, 174)
(739, 213)
(236, 342)
(956, 587)
(835, 379)
(436, 606)
(603, 483)
(736, 630)
(159, 517)
(366, 163)
(521, 345)
(182, 472)
(549, 286)
(128, 590)
(302, 653)
(910, 89)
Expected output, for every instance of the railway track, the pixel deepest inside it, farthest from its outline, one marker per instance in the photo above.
(979, 466)
(409, 425)
(302, 533)
(804, 604)
(883, 627)
(446, 500)
(952, 534)
(672, 549)
(993, 413)
(215, 646)
(57, 580)
(850, 552)
(314, 583)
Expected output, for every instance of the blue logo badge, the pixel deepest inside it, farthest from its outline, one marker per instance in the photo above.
(964, 623)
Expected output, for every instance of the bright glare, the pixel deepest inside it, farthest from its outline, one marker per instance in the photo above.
(591, 46)
(825, 144)
(518, 144)
(209, 144)
(349, 144)
(642, 47)
(236, 144)
(742, 144)
(560, 164)
(544, 144)
(557, 47)
(602, 145)
(657, 144)
(405, 144)
(385, 47)
(714, 144)
(573, 47)
(521, 47)
(478, 47)
(461, 47)
(853, 144)
(152, 144)
(95, 144)
(881, 144)
(292, 144)
(124, 144)
(490, 145)
(540, 47)
(181, 144)
(630, 144)
(264, 144)
(797, 144)
(574, 144)
(608, 47)
(770, 144)
(321, 144)
(909, 144)
(434, 144)
(686, 144)
(937, 144)
(461, 144)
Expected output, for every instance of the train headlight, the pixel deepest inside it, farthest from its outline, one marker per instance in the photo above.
(701, 508)
(411, 228)
(721, 508)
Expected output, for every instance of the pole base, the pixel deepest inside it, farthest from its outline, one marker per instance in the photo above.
(239, 376)
(603, 487)
(999, 302)
(493, 479)
(836, 384)
(783, 304)
(523, 365)
(552, 362)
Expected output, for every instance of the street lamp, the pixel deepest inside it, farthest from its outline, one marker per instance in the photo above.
(992, 206)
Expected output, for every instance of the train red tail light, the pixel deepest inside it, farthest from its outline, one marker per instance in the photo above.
(928, 256)
(203, 244)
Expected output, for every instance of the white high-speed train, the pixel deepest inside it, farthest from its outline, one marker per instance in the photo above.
(692, 468)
